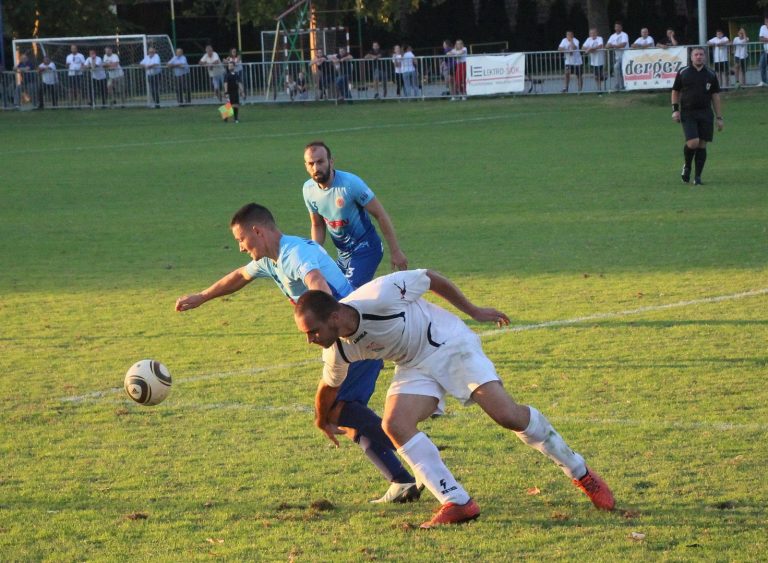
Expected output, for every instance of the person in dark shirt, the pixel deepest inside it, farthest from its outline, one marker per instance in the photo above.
(232, 90)
(695, 93)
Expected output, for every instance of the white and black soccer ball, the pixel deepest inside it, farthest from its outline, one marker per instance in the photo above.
(147, 382)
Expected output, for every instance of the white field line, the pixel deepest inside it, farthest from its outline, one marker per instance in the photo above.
(315, 133)
(638, 311)
(520, 328)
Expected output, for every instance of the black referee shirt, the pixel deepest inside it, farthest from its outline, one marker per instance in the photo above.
(696, 88)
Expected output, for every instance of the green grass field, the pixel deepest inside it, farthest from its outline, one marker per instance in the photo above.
(552, 209)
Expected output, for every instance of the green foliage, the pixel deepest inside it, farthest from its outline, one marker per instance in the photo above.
(53, 18)
(550, 208)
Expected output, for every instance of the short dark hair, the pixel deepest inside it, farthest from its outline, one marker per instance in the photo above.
(319, 144)
(252, 213)
(319, 303)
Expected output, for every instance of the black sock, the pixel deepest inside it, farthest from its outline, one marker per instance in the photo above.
(701, 158)
(235, 110)
(688, 153)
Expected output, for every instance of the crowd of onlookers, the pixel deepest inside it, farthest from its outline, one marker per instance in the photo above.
(100, 79)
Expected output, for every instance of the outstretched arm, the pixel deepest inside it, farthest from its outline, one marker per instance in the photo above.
(445, 288)
(398, 259)
(232, 282)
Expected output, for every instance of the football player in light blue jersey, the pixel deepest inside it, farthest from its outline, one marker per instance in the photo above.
(297, 265)
(341, 203)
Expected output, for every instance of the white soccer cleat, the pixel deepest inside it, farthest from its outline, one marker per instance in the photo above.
(400, 493)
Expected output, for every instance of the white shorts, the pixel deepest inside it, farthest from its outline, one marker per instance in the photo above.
(457, 368)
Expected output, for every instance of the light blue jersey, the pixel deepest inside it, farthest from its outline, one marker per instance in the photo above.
(298, 257)
(342, 207)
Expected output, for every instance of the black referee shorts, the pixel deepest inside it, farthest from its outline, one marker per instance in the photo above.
(698, 125)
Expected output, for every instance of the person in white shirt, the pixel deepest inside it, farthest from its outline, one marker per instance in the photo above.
(645, 41)
(397, 62)
(720, 42)
(435, 355)
(409, 73)
(75, 62)
(50, 79)
(763, 38)
(459, 52)
(740, 56)
(617, 42)
(572, 59)
(115, 76)
(180, 68)
(151, 65)
(95, 64)
(216, 70)
(594, 47)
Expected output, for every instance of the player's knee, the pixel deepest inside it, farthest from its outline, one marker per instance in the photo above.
(398, 430)
(693, 143)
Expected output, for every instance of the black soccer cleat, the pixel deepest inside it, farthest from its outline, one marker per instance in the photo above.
(685, 175)
(697, 181)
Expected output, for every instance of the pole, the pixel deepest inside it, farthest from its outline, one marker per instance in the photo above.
(2, 42)
(359, 28)
(173, 25)
(239, 35)
(702, 22)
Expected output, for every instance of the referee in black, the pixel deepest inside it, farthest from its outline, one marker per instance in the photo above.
(695, 93)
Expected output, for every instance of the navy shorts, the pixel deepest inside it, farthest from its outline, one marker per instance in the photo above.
(721, 66)
(698, 125)
(573, 69)
(359, 266)
(360, 382)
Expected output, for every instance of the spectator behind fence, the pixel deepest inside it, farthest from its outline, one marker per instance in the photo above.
(49, 79)
(235, 58)
(324, 74)
(376, 67)
(645, 41)
(460, 70)
(740, 56)
(75, 62)
(669, 40)
(151, 64)
(301, 85)
(764, 55)
(569, 46)
(720, 42)
(617, 42)
(95, 64)
(26, 80)
(343, 65)
(115, 77)
(447, 68)
(594, 47)
(397, 63)
(291, 89)
(409, 73)
(213, 63)
(180, 67)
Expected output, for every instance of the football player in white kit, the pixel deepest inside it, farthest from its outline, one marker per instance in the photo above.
(435, 354)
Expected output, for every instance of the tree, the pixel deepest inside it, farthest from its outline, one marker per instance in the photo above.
(597, 15)
(54, 18)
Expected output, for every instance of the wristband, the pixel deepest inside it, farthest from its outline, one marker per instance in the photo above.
(675, 107)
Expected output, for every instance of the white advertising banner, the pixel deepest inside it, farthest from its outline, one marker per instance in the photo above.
(495, 74)
(648, 69)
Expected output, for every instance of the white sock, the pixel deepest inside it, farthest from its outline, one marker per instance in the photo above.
(541, 436)
(424, 458)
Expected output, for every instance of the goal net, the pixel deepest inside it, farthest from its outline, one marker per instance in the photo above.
(301, 44)
(130, 48)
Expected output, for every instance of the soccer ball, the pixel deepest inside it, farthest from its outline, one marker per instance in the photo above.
(147, 382)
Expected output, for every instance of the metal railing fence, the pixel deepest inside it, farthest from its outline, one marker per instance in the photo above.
(300, 81)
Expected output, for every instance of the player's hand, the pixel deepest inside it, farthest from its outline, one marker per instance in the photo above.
(720, 124)
(490, 315)
(330, 431)
(676, 116)
(187, 302)
(399, 261)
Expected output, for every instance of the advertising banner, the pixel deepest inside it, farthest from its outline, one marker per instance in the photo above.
(495, 74)
(648, 69)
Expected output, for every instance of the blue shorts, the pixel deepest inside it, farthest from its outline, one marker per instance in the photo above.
(359, 266)
(360, 382)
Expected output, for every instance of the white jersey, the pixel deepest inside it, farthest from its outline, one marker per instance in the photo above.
(596, 58)
(764, 33)
(96, 65)
(75, 62)
(618, 39)
(571, 52)
(113, 71)
(720, 45)
(644, 42)
(395, 324)
(740, 47)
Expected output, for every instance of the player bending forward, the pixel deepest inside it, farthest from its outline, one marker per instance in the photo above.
(434, 353)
